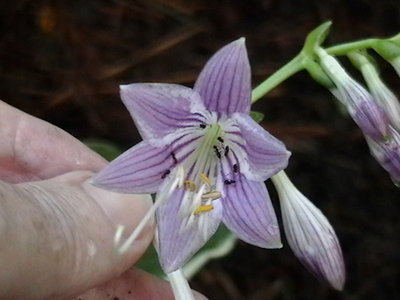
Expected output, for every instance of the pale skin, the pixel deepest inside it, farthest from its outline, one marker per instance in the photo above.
(56, 228)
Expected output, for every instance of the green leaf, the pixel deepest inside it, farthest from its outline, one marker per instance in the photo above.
(149, 262)
(389, 50)
(105, 148)
(257, 116)
(315, 38)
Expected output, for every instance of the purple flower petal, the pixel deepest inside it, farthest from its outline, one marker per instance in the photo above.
(387, 153)
(372, 120)
(159, 109)
(176, 245)
(224, 84)
(141, 169)
(267, 155)
(361, 105)
(309, 234)
(248, 212)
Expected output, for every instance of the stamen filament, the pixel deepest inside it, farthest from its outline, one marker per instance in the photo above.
(205, 178)
(201, 158)
(178, 181)
(125, 246)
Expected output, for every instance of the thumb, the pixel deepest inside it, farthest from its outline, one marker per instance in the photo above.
(60, 238)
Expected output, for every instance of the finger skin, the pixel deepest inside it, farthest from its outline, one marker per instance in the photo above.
(58, 233)
(58, 241)
(32, 149)
(134, 284)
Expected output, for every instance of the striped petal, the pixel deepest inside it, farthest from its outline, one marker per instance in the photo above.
(224, 83)
(309, 234)
(177, 243)
(387, 153)
(372, 120)
(159, 109)
(248, 212)
(266, 154)
(141, 169)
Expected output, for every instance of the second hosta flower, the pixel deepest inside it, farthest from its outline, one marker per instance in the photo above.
(225, 157)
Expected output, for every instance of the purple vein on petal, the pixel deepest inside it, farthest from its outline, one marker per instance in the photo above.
(240, 222)
(168, 116)
(219, 89)
(223, 84)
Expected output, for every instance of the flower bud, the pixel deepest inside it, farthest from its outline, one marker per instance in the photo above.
(309, 233)
(381, 93)
(387, 153)
(362, 107)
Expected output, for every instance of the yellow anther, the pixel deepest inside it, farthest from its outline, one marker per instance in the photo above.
(212, 195)
(203, 208)
(205, 178)
(190, 185)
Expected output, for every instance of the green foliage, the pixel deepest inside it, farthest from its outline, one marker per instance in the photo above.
(257, 116)
(105, 148)
(149, 262)
(315, 39)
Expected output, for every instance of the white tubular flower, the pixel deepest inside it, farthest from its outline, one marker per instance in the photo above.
(385, 98)
(380, 92)
(362, 107)
(309, 233)
(387, 153)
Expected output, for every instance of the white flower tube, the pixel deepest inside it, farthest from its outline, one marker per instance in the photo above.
(180, 286)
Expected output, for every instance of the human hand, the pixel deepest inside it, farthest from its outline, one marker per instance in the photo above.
(57, 229)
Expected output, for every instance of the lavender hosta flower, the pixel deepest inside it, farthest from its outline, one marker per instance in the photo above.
(205, 138)
(382, 94)
(387, 153)
(309, 233)
(362, 107)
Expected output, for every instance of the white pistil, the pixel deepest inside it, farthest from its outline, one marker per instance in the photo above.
(203, 163)
(196, 203)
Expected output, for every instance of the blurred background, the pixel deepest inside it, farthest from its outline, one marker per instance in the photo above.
(63, 60)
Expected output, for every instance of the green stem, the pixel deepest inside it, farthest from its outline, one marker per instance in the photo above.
(343, 49)
(300, 62)
(292, 67)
